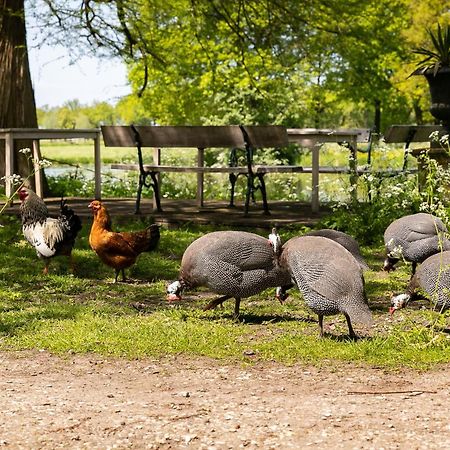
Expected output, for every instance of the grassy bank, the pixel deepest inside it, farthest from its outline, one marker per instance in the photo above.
(85, 312)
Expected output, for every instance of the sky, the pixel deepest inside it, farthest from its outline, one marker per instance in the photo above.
(56, 81)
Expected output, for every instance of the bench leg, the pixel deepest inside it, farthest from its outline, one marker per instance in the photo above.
(249, 192)
(262, 186)
(155, 187)
(233, 178)
(139, 193)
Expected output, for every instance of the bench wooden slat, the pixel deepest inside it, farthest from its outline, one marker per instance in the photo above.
(267, 136)
(238, 169)
(175, 136)
(411, 133)
(195, 169)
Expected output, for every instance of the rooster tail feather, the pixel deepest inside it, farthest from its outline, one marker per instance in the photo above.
(68, 215)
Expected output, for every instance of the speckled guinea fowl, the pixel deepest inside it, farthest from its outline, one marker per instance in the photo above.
(414, 238)
(345, 240)
(329, 278)
(433, 278)
(234, 264)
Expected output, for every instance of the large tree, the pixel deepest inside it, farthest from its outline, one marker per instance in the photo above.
(279, 61)
(17, 104)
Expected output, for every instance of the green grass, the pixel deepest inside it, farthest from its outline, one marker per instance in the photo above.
(85, 313)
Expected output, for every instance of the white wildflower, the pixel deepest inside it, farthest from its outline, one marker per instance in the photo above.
(25, 151)
(444, 139)
(396, 252)
(14, 178)
(434, 136)
(44, 163)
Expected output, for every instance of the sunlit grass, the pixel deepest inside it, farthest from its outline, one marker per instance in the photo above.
(88, 313)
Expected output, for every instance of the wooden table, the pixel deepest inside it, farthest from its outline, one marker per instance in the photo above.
(9, 135)
(313, 138)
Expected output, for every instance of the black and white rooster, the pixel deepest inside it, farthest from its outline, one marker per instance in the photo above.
(49, 236)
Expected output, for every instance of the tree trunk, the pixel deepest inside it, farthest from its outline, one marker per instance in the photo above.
(377, 119)
(17, 103)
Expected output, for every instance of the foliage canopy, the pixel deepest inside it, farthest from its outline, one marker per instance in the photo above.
(295, 63)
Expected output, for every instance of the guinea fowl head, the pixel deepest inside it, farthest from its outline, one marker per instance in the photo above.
(174, 291)
(398, 302)
(389, 264)
(281, 294)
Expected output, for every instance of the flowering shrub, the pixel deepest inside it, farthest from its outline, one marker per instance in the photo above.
(383, 199)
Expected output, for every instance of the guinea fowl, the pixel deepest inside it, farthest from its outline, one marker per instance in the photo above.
(433, 278)
(345, 240)
(414, 238)
(49, 236)
(119, 250)
(329, 278)
(234, 264)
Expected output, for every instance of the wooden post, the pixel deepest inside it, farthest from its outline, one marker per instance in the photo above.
(157, 162)
(200, 163)
(9, 164)
(315, 149)
(39, 188)
(353, 164)
(97, 167)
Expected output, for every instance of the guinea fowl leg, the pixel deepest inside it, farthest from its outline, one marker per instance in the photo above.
(351, 333)
(216, 302)
(321, 325)
(236, 307)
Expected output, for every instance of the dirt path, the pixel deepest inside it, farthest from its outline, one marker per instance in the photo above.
(89, 402)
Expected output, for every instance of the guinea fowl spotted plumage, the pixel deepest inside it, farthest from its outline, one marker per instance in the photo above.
(234, 264)
(345, 240)
(414, 238)
(329, 278)
(49, 236)
(433, 278)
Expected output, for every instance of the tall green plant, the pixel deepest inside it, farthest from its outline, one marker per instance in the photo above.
(437, 55)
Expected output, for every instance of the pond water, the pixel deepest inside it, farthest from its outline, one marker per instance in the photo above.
(56, 171)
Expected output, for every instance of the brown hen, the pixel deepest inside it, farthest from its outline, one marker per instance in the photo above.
(119, 250)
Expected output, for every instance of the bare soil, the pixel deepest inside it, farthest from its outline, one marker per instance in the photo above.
(49, 402)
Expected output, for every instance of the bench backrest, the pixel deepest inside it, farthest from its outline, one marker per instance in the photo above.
(231, 136)
(411, 133)
(361, 135)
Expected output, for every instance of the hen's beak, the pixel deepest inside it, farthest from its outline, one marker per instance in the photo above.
(392, 310)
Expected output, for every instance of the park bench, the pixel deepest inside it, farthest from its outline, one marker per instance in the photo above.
(246, 138)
